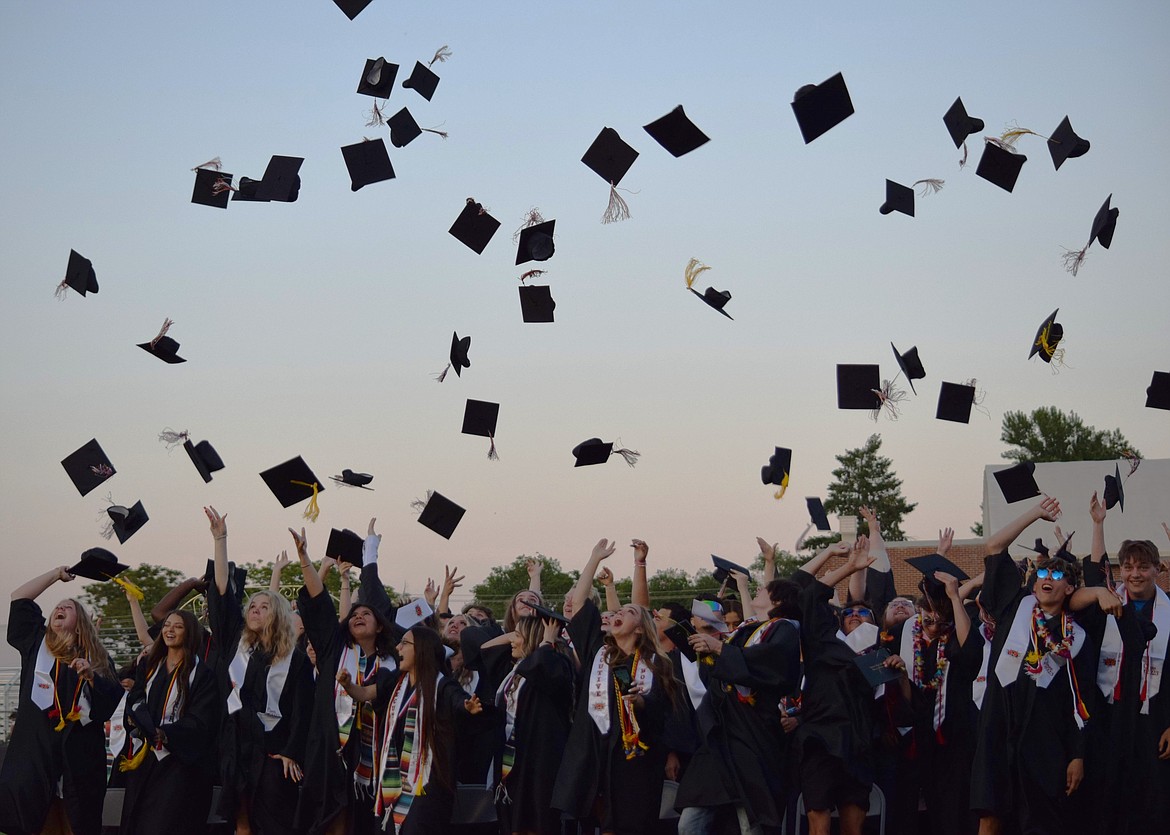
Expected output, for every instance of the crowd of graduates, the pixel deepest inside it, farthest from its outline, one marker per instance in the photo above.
(1026, 699)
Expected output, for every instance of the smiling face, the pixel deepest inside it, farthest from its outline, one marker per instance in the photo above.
(898, 610)
(454, 627)
(174, 631)
(1140, 578)
(63, 621)
(363, 626)
(626, 621)
(855, 615)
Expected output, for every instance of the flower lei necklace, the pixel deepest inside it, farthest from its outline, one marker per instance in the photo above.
(1043, 643)
(940, 664)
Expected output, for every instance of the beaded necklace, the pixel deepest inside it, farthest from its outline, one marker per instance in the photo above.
(940, 663)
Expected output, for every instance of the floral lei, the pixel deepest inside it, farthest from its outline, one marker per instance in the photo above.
(940, 663)
(1042, 639)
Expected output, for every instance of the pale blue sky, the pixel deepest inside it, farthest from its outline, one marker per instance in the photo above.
(313, 328)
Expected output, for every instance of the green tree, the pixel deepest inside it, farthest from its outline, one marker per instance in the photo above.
(503, 581)
(1048, 434)
(865, 478)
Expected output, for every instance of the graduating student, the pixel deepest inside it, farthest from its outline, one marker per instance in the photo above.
(54, 772)
(169, 761)
(267, 685)
(614, 761)
(740, 762)
(341, 753)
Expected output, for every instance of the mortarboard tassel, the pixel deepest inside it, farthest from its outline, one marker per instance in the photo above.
(929, 186)
(630, 456)
(618, 209)
(166, 326)
(440, 377)
(441, 55)
(492, 454)
(888, 399)
(215, 164)
(532, 218)
(107, 529)
(436, 130)
(417, 505)
(978, 398)
(102, 470)
(1073, 258)
(532, 274)
(694, 269)
(1012, 134)
(1134, 460)
(62, 290)
(1055, 355)
(374, 117)
(221, 185)
(312, 511)
(130, 587)
(963, 161)
(172, 438)
(779, 494)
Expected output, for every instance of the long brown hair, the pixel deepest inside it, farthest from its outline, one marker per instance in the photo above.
(428, 663)
(192, 642)
(648, 651)
(83, 643)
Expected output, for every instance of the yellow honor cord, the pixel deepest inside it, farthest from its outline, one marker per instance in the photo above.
(132, 763)
(312, 511)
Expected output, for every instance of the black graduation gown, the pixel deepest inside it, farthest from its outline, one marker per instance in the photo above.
(1027, 735)
(741, 756)
(481, 738)
(173, 795)
(38, 756)
(595, 767)
(247, 767)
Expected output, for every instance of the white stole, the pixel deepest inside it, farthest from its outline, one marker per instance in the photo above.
(601, 691)
(43, 685)
(1153, 660)
(117, 737)
(1019, 638)
(274, 685)
(508, 698)
(979, 686)
(696, 690)
(170, 711)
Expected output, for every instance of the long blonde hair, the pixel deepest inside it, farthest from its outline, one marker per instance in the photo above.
(82, 643)
(278, 637)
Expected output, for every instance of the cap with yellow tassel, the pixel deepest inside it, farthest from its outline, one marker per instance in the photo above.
(1047, 339)
(293, 482)
(777, 469)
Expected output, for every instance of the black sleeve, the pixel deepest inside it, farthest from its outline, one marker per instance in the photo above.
(818, 623)
(189, 737)
(373, 594)
(225, 616)
(320, 619)
(105, 692)
(772, 664)
(26, 626)
(1001, 585)
(879, 590)
(386, 680)
(547, 670)
(493, 663)
(301, 680)
(1095, 572)
(585, 632)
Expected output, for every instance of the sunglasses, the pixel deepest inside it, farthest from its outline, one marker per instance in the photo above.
(857, 611)
(1046, 573)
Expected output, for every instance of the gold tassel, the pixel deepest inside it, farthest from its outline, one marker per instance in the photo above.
(694, 269)
(60, 726)
(1055, 355)
(779, 494)
(618, 209)
(312, 511)
(73, 715)
(1013, 133)
(132, 763)
(130, 587)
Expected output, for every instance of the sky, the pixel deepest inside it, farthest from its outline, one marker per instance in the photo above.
(314, 328)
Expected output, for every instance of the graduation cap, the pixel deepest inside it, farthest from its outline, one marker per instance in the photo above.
(955, 401)
(474, 227)
(959, 124)
(458, 357)
(479, 418)
(345, 546)
(536, 303)
(163, 346)
(873, 667)
(1104, 225)
(79, 275)
(857, 386)
(548, 614)
(1040, 548)
(367, 162)
(593, 451)
(816, 512)
(1114, 490)
(679, 632)
(88, 467)
(723, 569)
(378, 78)
(777, 469)
(422, 80)
(126, 521)
(705, 610)
(441, 515)
(282, 180)
(1000, 166)
(910, 364)
(1048, 336)
(293, 482)
(212, 188)
(1063, 553)
(676, 133)
(715, 298)
(352, 8)
(1018, 482)
(536, 243)
(143, 721)
(204, 457)
(1065, 144)
(899, 198)
(97, 564)
(931, 563)
(1158, 391)
(403, 128)
(821, 107)
(352, 479)
(610, 158)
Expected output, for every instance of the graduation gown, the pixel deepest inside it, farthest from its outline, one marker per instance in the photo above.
(595, 766)
(173, 795)
(39, 756)
(742, 751)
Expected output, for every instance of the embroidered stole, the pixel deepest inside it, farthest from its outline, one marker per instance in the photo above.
(599, 689)
(508, 700)
(402, 776)
(44, 693)
(1153, 659)
(1019, 642)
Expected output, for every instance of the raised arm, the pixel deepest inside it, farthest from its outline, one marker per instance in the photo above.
(1097, 513)
(768, 552)
(742, 585)
(971, 585)
(837, 549)
(612, 601)
(452, 580)
(219, 534)
(877, 545)
(373, 592)
(954, 592)
(313, 584)
(640, 593)
(346, 597)
(173, 598)
(35, 587)
(580, 594)
(534, 567)
(140, 627)
(998, 542)
(278, 565)
(859, 560)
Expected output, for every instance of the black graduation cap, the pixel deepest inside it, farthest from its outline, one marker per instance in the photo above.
(292, 482)
(139, 713)
(474, 227)
(548, 614)
(1018, 482)
(479, 418)
(459, 349)
(1040, 548)
(97, 564)
(931, 563)
(282, 180)
(1048, 336)
(910, 364)
(378, 78)
(959, 124)
(1065, 144)
(403, 128)
(352, 8)
(367, 162)
(441, 515)
(352, 479)
(609, 156)
(899, 198)
(723, 568)
(1000, 166)
(777, 469)
(246, 192)
(816, 512)
(204, 457)
(676, 133)
(127, 521)
(1158, 391)
(592, 451)
(79, 274)
(873, 667)
(163, 346)
(954, 402)
(536, 303)
(856, 386)
(820, 107)
(1104, 224)
(715, 298)
(208, 190)
(422, 80)
(88, 467)
(1114, 490)
(344, 546)
(536, 243)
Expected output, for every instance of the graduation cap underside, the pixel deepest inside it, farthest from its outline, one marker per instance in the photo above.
(536, 303)
(97, 564)
(474, 227)
(820, 107)
(345, 546)
(88, 466)
(204, 457)
(367, 162)
(676, 133)
(441, 515)
(127, 521)
(1018, 482)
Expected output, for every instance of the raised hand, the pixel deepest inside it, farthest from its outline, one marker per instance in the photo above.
(63, 575)
(451, 581)
(302, 544)
(605, 577)
(371, 532)
(950, 581)
(641, 551)
(218, 523)
(839, 549)
(603, 550)
(946, 538)
(868, 515)
(280, 563)
(1048, 509)
(431, 593)
(1097, 511)
(552, 630)
(533, 567)
(768, 551)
